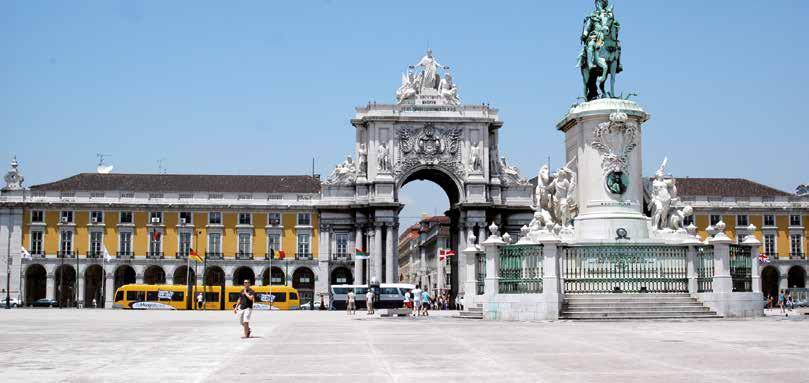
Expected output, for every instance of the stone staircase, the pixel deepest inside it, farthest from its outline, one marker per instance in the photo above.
(475, 312)
(634, 306)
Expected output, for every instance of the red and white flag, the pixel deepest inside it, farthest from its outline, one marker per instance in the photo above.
(443, 253)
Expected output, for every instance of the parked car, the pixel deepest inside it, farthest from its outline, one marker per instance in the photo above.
(45, 302)
(13, 302)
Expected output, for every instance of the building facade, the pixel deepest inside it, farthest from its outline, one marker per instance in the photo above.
(420, 259)
(778, 219)
(58, 234)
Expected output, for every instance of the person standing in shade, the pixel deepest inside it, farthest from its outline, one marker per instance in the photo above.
(199, 301)
(244, 307)
(369, 301)
(351, 307)
(417, 301)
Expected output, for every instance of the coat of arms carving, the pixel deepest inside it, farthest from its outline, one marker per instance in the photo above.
(429, 145)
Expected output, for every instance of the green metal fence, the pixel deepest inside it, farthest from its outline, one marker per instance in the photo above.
(624, 269)
(480, 272)
(704, 264)
(520, 269)
(741, 268)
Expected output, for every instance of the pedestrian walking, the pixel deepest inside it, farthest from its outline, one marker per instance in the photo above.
(407, 303)
(789, 302)
(199, 301)
(369, 301)
(416, 301)
(781, 301)
(458, 302)
(244, 307)
(351, 308)
(425, 303)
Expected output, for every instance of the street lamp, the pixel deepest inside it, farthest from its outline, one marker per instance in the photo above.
(8, 269)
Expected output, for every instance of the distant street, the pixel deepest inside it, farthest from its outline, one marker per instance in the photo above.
(132, 346)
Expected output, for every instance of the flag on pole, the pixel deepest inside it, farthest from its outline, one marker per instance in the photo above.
(359, 254)
(156, 235)
(443, 253)
(763, 258)
(107, 256)
(25, 254)
(194, 256)
(278, 254)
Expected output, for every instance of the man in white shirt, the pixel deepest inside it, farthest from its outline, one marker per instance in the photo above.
(369, 301)
(351, 307)
(416, 301)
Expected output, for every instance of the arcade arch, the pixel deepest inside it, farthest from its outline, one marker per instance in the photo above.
(769, 281)
(181, 273)
(796, 277)
(242, 273)
(124, 275)
(36, 282)
(154, 275)
(94, 286)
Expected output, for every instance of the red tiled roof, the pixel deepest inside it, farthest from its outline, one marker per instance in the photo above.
(726, 187)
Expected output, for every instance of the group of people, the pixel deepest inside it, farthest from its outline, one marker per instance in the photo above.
(421, 301)
(351, 305)
(783, 301)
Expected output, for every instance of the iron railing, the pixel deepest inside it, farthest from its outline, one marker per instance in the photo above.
(181, 254)
(303, 256)
(214, 256)
(244, 256)
(66, 254)
(480, 272)
(704, 265)
(795, 255)
(154, 255)
(624, 269)
(741, 268)
(123, 254)
(520, 269)
(94, 254)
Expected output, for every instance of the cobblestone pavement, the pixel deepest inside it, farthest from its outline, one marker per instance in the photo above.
(137, 346)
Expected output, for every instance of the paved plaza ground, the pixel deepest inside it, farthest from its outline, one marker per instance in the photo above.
(141, 346)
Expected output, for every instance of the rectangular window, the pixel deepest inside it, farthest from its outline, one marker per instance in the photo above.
(185, 243)
(66, 216)
(125, 217)
(37, 216)
(66, 243)
(794, 220)
(769, 244)
(36, 242)
(214, 243)
(715, 219)
(274, 219)
(740, 238)
(769, 220)
(186, 218)
(273, 242)
(96, 216)
(125, 243)
(741, 220)
(689, 220)
(245, 219)
(96, 238)
(304, 219)
(795, 244)
(156, 217)
(244, 243)
(341, 244)
(214, 218)
(303, 244)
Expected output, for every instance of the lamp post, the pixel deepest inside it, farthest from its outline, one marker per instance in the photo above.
(8, 268)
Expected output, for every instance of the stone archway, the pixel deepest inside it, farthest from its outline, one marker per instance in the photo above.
(770, 278)
(124, 275)
(796, 277)
(36, 283)
(65, 285)
(341, 276)
(278, 277)
(214, 276)
(154, 275)
(241, 273)
(181, 273)
(94, 286)
(303, 279)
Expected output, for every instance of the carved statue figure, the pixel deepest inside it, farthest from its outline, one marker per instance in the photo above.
(448, 89)
(362, 159)
(383, 158)
(678, 217)
(802, 190)
(664, 191)
(430, 67)
(474, 158)
(14, 178)
(600, 55)
(408, 87)
(345, 172)
(555, 198)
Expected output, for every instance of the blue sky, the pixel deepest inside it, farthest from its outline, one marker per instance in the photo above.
(262, 87)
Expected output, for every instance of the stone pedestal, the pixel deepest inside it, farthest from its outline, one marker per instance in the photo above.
(604, 138)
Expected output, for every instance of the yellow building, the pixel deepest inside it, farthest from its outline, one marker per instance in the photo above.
(147, 224)
(778, 219)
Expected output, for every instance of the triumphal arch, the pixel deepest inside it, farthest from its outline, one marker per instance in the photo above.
(428, 133)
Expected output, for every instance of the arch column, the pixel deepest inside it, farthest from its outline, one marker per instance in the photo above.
(80, 284)
(391, 262)
(109, 293)
(359, 276)
(377, 254)
(50, 292)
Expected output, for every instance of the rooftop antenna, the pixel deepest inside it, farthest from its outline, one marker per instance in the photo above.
(160, 168)
(313, 166)
(101, 168)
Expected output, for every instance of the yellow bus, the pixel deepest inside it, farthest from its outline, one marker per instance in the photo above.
(280, 297)
(165, 297)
